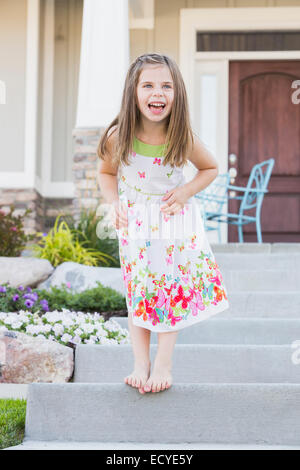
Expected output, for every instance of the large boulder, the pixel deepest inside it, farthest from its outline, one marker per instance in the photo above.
(81, 277)
(25, 271)
(25, 359)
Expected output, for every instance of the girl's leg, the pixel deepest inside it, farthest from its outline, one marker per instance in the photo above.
(161, 377)
(140, 339)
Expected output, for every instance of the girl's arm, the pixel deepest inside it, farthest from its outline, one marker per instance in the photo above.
(108, 182)
(207, 167)
(107, 175)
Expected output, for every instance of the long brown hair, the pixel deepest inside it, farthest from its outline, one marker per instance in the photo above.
(179, 127)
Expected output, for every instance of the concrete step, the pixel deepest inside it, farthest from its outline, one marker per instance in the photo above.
(257, 413)
(258, 261)
(192, 363)
(244, 280)
(219, 330)
(267, 280)
(73, 445)
(262, 304)
(255, 247)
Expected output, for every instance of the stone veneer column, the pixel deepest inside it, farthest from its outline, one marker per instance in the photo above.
(85, 163)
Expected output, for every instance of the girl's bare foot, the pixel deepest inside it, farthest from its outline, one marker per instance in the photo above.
(159, 380)
(139, 376)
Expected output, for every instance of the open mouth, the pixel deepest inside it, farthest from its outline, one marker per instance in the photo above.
(156, 108)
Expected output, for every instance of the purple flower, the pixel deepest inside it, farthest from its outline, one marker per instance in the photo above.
(44, 305)
(14, 229)
(45, 234)
(15, 297)
(32, 296)
(68, 285)
(2, 289)
(28, 289)
(28, 303)
(21, 288)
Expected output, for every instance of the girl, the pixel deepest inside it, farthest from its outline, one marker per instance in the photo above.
(172, 280)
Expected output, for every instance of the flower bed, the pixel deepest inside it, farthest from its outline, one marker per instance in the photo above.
(100, 298)
(67, 327)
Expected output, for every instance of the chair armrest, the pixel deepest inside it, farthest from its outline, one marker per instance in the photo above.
(240, 188)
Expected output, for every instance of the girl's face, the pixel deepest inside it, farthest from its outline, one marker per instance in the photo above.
(155, 92)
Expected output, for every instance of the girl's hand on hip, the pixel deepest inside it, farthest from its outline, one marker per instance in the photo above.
(176, 199)
(120, 218)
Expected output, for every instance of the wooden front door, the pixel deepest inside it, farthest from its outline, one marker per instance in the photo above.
(264, 123)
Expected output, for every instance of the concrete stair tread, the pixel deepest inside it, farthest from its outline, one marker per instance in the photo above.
(240, 413)
(69, 445)
(235, 330)
(235, 247)
(192, 363)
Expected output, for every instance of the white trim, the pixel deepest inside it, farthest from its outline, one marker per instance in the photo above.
(48, 84)
(141, 14)
(52, 189)
(228, 19)
(44, 185)
(25, 179)
(32, 62)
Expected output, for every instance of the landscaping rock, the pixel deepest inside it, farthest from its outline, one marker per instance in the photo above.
(24, 271)
(81, 277)
(26, 359)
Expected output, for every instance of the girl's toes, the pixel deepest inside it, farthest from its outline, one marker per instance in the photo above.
(147, 386)
(158, 387)
(141, 390)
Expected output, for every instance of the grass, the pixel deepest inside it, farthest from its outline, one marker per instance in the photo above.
(12, 422)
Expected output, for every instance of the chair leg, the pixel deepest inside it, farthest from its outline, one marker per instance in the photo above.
(258, 231)
(219, 233)
(240, 231)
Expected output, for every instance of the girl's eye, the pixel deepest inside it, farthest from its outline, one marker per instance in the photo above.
(151, 85)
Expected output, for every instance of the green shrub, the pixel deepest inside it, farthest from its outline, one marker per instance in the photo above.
(85, 230)
(12, 235)
(60, 245)
(98, 299)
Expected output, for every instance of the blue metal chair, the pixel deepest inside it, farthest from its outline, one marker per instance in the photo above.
(251, 199)
(212, 200)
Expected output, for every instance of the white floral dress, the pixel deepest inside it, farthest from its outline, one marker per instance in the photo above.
(172, 280)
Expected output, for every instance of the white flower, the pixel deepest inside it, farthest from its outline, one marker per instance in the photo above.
(16, 325)
(76, 340)
(58, 329)
(40, 336)
(66, 338)
(78, 331)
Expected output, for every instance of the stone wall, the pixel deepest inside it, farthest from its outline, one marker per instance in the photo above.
(44, 210)
(85, 164)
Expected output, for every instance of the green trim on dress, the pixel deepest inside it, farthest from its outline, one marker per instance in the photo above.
(148, 150)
